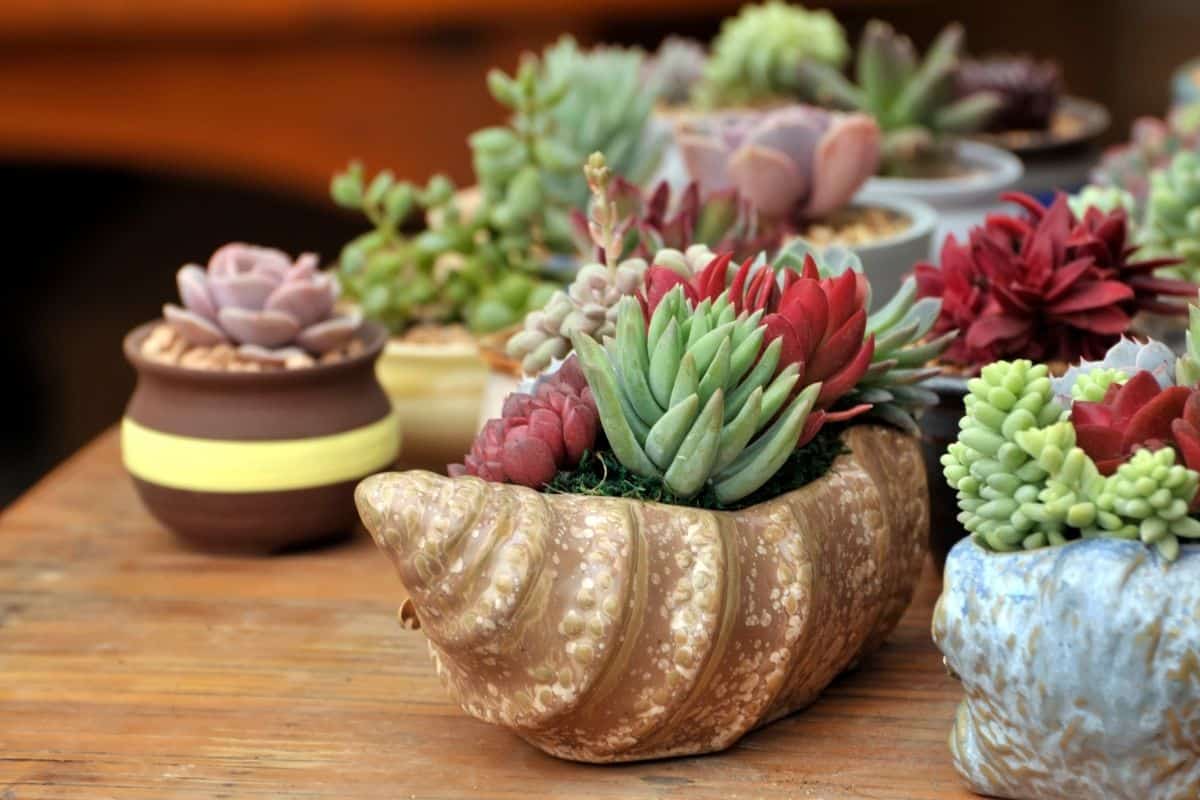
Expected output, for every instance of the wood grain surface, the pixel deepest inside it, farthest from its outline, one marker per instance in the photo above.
(132, 667)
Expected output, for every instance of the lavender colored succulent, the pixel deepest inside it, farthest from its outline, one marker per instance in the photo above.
(797, 159)
(258, 298)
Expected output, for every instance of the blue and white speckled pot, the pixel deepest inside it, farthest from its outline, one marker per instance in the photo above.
(1081, 667)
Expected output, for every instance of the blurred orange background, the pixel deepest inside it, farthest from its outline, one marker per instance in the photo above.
(136, 135)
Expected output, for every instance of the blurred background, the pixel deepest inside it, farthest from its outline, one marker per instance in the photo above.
(137, 135)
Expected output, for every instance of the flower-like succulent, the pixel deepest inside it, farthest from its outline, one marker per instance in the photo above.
(914, 103)
(1106, 199)
(1125, 358)
(1028, 89)
(757, 54)
(792, 161)
(1173, 215)
(1134, 414)
(1152, 144)
(691, 396)
(257, 297)
(536, 434)
(676, 67)
(1152, 494)
(993, 474)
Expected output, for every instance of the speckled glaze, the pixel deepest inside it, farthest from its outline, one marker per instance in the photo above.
(1081, 667)
(603, 629)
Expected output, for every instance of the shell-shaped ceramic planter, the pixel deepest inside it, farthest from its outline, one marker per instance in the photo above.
(606, 630)
(256, 461)
(437, 391)
(1081, 668)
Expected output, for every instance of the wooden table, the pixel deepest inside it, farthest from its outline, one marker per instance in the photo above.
(131, 667)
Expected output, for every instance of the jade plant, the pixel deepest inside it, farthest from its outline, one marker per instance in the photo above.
(791, 162)
(1118, 459)
(1045, 285)
(1172, 226)
(757, 55)
(261, 300)
(913, 101)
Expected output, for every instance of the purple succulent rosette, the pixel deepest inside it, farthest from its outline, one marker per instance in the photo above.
(794, 160)
(259, 299)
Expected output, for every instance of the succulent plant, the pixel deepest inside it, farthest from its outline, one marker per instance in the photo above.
(757, 54)
(1151, 494)
(689, 396)
(1065, 507)
(1028, 89)
(1125, 358)
(536, 434)
(1152, 144)
(1187, 367)
(1134, 414)
(914, 103)
(1107, 199)
(1173, 215)
(457, 269)
(258, 298)
(792, 161)
(993, 474)
(674, 70)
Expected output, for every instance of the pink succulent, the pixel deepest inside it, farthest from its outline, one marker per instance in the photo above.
(259, 298)
(536, 434)
(797, 160)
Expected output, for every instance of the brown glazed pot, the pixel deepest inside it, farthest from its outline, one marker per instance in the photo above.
(605, 629)
(256, 461)
(939, 429)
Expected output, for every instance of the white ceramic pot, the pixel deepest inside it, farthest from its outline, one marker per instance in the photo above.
(437, 391)
(887, 261)
(960, 202)
(1081, 669)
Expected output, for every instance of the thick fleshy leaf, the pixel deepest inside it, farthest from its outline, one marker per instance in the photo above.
(308, 301)
(193, 291)
(1152, 422)
(706, 159)
(244, 290)
(772, 182)
(196, 329)
(838, 349)
(528, 461)
(793, 346)
(263, 328)
(846, 157)
(329, 335)
(988, 330)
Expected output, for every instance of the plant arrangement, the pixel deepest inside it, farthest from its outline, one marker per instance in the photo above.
(914, 101)
(1152, 144)
(1080, 492)
(1172, 225)
(256, 408)
(713, 434)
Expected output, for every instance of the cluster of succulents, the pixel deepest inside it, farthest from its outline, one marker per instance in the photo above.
(794, 161)
(758, 54)
(1172, 223)
(1153, 142)
(261, 300)
(913, 101)
(458, 269)
(1116, 458)
(1028, 89)
(1046, 285)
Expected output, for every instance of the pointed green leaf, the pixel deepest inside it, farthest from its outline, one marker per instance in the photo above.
(737, 434)
(687, 380)
(664, 362)
(717, 374)
(777, 394)
(667, 434)
(696, 455)
(762, 372)
(744, 355)
(631, 355)
(705, 350)
(603, 382)
(763, 459)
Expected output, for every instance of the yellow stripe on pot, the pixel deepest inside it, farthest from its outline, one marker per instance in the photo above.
(212, 465)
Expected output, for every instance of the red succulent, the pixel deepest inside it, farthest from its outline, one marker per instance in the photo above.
(964, 293)
(536, 434)
(1138, 413)
(1186, 432)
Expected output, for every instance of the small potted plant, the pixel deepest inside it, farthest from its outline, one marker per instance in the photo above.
(1044, 284)
(925, 156)
(256, 409)
(480, 259)
(672, 539)
(1153, 142)
(1069, 616)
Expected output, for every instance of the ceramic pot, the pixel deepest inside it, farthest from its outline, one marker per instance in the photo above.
(962, 201)
(437, 391)
(939, 429)
(256, 461)
(605, 630)
(887, 261)
(1080, 668)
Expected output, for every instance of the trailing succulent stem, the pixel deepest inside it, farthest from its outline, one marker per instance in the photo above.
(691, 396)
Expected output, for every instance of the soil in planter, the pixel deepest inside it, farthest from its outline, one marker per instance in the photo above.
(166, 346)
(600, 474)
(855, 226)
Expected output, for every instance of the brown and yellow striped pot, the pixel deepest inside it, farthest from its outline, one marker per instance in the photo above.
(256, 461)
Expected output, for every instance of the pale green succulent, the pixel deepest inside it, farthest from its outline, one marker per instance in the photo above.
(1187, 367)
(1104, 198)
(1091, 386)
(757, 55)
(993, 474)
(1151, 494)
(692, 399)
(1068, 499)
(1172, 226)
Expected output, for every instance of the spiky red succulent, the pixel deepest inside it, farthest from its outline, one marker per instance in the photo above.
(1185, 430)
(1046, 285)
(1135, 414)
(536, 434)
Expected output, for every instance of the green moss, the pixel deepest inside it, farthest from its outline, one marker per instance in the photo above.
(600, 474)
